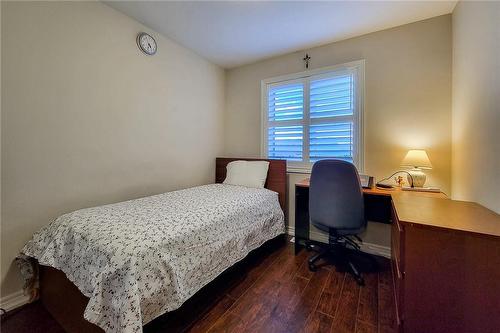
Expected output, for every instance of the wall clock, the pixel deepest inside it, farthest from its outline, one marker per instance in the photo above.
(146, 43)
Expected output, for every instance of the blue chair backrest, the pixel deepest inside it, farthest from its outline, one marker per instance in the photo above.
(336, 196)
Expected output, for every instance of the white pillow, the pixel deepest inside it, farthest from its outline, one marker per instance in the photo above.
(247, 173)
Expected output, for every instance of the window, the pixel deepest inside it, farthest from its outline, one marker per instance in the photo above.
(314, 115)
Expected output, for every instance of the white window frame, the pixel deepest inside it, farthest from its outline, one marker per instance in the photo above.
(358, 67)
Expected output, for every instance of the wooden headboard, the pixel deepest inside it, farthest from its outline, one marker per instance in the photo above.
(276, 175)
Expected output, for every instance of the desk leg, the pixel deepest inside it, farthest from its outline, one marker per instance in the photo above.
(297, 246)
(301, 216)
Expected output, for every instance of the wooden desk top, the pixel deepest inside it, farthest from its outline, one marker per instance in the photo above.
(446, 214)
(436, 210)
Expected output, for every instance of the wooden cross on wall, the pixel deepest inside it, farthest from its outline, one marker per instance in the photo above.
(306, 60)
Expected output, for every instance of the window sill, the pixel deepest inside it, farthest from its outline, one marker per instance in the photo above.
(298, 170)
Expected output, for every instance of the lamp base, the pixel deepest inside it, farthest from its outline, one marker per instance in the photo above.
(418, 177)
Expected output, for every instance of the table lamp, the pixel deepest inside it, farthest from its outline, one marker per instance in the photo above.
(418, 160)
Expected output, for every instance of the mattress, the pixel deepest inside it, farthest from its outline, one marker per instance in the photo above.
(138, 259)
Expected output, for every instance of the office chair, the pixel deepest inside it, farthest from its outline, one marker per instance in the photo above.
(336, 206)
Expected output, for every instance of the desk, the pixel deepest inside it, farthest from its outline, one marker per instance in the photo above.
(445, 257)
(378, 203)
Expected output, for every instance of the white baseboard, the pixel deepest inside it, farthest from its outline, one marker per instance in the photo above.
(371, 248)
(13, 300)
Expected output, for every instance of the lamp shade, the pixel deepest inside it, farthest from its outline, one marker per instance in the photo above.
(417, 158)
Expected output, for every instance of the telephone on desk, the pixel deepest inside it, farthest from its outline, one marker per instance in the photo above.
(366, 181)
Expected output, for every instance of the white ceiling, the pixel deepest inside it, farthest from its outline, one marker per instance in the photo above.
(231, 34)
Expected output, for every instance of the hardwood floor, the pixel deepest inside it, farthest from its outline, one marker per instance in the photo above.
(272, 290)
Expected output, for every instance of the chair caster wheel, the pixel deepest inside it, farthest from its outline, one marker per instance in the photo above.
(312, 267)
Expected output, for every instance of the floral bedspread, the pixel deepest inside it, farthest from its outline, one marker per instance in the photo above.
(138, 259)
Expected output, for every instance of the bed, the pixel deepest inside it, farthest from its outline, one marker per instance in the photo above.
(122, 265)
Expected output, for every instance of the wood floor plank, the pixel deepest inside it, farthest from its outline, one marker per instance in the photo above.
(304, 269)
(344, 320)
(368, 300)
(254, 273)
(275, 311)
(267, 287)
(209, 319)
(289, 294)
(247, 304)
(386, 306)
(363, 327)
(266, 321)
(289, 298)
(330, 297)
(317, 323)
(228, 323)
(279, 278)
(308, 301)
(251, 311)
(283, 269)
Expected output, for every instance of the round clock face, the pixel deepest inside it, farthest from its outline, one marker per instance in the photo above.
(146, 43)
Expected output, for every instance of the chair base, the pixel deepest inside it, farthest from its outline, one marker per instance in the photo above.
(342, 258)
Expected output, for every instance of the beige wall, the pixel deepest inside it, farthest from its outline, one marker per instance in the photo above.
(476, 103)
(407, 96)
(87, 119)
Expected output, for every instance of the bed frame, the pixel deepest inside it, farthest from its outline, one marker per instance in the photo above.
(66, 303)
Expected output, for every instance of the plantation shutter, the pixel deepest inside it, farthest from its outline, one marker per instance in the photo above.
(331, 113)
(285, 112)
(313, 117)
